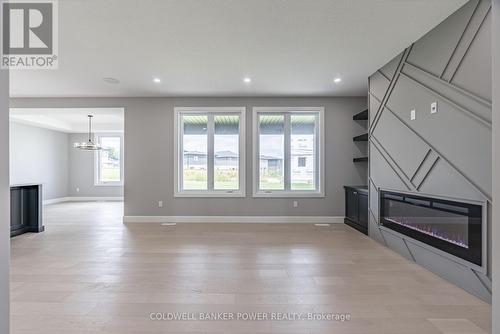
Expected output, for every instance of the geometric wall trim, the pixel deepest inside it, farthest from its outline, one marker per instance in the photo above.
(397, 244)
(379, 85)
(408, 160)
(445, 153)
(449, 270)
(462, 70)
(373, 105)
(466, 143)
(425, 169)
(433, 51)
(391, 67)
(385, 171)
(457, 187)
(474, 105)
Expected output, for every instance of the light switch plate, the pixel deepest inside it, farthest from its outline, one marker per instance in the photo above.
(434, 107)
(413, 114)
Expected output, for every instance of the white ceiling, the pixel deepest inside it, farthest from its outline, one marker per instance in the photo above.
(206, 48)
(70, 120)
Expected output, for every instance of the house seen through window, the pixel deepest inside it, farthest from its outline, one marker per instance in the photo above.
(288, 150)
(211, 149)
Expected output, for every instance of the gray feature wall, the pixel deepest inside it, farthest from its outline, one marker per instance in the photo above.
(81, 173)
(149, 155)
(39, 155)
(446, 154)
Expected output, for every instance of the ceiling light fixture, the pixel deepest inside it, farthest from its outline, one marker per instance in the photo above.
(157, 80)
(337, 80)
(90, 145)
(247, 80)
(110, 80)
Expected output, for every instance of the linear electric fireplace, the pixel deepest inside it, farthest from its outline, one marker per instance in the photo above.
(453, 227)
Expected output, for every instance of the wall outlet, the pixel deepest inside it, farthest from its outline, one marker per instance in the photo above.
(77, 189)
(434, 107)
(413, 114)
(160, 204)
(295, 204)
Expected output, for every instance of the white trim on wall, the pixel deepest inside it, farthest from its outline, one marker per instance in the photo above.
(97, 159)
(82, 199)
(235, 219)
(178, 149)
(320, 156)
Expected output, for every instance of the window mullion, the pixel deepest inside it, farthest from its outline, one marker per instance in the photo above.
(122, 159)
(210, 151)
(317, 148)
(180, 154)
(241, 149)
(288, 153)
(256, 143)
(97, 157)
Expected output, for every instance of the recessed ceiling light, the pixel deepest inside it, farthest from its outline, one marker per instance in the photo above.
(111, 80)
(247, 80)
(157, 80)
(337, 80)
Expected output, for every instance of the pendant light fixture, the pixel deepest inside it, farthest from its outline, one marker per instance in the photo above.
(90, 145)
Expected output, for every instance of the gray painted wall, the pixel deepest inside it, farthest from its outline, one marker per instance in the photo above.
(149, 175)
(39, 155)
(81, 173)
(146, 183)
(495, 37)
(4, 199)
(447, 154)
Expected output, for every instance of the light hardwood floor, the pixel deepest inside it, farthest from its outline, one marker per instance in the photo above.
(89, 273)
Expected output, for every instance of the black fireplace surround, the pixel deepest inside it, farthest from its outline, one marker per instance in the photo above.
(453, 227)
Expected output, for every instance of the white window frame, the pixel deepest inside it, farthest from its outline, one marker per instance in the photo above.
(320, 152)
(178, 161)
(97, 162)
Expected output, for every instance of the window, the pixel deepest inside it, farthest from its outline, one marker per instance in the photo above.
(109, 167)
(210, 156)
(288, 151)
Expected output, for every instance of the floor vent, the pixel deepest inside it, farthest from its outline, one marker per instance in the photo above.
(322, 225)
(168, 224)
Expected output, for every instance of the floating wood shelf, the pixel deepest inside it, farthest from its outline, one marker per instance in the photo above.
(362, 116)
(362, 159)
(363, 137)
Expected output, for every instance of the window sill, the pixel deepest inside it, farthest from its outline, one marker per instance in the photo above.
(108, 184)
(282, 194)
(213, 194)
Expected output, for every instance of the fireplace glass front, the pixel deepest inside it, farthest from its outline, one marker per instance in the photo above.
(453, 227)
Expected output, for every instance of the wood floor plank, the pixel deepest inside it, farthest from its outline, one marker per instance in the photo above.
(90, 273)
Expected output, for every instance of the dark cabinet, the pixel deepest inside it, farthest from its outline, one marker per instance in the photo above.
(25, 209)
(356, 208)
(351, 205)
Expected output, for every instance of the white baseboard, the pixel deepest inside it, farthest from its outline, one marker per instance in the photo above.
(95, 199)
(82, 199)
(55, 200)
(234, 219)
